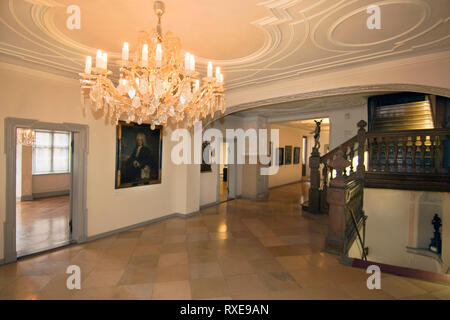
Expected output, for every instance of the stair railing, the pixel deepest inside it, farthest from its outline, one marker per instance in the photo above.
(413, 159)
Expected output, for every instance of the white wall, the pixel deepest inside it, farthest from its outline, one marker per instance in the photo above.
(343, 124)
(396, 219)
(291, 172)
(208, 186)
(36, 95)
(48, 183)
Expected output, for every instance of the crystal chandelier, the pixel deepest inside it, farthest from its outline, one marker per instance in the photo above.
(157, 86)
(26, 137)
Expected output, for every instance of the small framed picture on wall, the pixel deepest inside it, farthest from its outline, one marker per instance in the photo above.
(288, 155)
(296, 155)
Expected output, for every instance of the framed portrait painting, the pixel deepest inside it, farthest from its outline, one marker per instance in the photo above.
(139, 155)
(288, 155)
(296, 155)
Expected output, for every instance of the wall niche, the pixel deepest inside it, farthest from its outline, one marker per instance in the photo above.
(425, 206)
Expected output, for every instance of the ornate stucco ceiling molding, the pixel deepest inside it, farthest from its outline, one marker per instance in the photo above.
(420, 34)
(298, 37)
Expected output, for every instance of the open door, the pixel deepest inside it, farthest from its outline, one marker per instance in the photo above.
(232, 170)
(304, 155)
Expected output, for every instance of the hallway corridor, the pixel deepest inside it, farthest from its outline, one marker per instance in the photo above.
(241, 249)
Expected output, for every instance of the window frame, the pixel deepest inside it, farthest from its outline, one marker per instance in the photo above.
(52, 148)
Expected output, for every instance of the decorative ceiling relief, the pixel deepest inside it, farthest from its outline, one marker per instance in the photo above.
(255, 41)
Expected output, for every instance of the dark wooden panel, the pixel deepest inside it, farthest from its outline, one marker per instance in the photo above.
(410, 181)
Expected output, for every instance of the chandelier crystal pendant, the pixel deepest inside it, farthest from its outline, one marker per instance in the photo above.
(26, 137)
(158, 86)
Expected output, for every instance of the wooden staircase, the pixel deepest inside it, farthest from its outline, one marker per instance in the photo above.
(407, 159)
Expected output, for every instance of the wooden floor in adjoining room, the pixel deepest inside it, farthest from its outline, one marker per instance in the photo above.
(240, 249)
(42, 224)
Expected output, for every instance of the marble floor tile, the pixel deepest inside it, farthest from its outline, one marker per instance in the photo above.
(173, 290)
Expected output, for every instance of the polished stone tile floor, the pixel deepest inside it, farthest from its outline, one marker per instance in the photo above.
(241, 249)
(42, 224)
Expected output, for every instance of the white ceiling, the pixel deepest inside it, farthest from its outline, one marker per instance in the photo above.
(303, 109)
(256, 41)
(308, 125)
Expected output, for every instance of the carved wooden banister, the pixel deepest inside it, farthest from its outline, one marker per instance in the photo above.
(422, 132)
(349, 150)
(352, 148)
(408, 152)
(412, 159)
(333, 152)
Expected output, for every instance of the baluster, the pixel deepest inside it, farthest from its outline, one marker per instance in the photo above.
(323, 196)
(325, 177)
(395, 142)
(413, 153)
(378, 153)
(345, 155)
(433, 168)
(361, 146)
(404, 153)
(386, 154)
(442, 169)
(330, 170)
(352, 155)
(422, 152)
(339, 163)
(371, 164)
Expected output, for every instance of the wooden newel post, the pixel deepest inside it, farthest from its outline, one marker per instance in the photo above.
(361, 147)
(314, 190)
(336, 198)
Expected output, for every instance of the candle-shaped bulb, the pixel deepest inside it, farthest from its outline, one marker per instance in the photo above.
(192, 62)
(144, 55)
(210, 70)
(98, 59)
(87, 68)
(105, 60)
(221, 77)
(187, 61)
(217, 72)
(125, 51)
(158, 55)
(197, 85)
